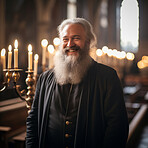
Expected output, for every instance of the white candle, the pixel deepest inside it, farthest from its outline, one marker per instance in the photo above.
(3, 58)
(56, 42)
(9, 56)
(50, 58)
(16, 54)
(29, 57)
(36, 57)
(44, 44)
(99, 54)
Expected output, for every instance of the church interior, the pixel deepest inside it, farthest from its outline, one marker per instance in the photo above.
(29, 40)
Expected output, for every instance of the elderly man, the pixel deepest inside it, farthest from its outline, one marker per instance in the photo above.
(79, 103)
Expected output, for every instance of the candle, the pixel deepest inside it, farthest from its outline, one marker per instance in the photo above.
(56, 42)
(44, 44)
(50, 58)
(3, 58)
(29, 57)
(9, 56)
(16, 54)
(99, 54)
(36, 57)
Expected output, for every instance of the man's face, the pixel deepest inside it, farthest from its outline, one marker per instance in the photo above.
(73, 38)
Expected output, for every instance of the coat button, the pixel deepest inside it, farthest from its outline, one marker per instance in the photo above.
(68, 122)
(66, 135)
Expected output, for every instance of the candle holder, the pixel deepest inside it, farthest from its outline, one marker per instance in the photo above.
(30, 94)
(14, 75)
(7, 79)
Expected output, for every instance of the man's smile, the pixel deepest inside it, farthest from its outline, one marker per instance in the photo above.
(72, 50)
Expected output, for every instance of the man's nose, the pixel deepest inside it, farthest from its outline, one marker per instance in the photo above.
(70, 43)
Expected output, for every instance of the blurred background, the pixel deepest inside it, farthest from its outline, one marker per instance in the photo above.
(122, 43)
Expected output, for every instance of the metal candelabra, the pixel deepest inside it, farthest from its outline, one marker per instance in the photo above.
(14, 75)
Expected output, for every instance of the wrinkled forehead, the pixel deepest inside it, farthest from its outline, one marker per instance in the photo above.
(73, 29)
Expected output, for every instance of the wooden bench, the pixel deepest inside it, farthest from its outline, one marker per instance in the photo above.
(13, 114)
(136, 125)
(19, 140)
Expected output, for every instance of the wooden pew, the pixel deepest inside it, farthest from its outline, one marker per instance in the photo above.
(13, 114)
(19, 140)
(136, 125)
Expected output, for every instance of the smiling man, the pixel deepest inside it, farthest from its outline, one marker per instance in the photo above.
(79, 103)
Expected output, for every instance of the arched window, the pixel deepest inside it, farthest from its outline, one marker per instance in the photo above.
(129, 26)
(72, 9)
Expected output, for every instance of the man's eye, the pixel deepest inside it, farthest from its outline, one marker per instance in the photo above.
(76, 38)
(65, 40)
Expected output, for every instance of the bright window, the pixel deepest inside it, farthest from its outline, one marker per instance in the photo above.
(129, 26)
(72, 9)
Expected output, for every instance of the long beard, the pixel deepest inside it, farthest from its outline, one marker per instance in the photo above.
(71, 69)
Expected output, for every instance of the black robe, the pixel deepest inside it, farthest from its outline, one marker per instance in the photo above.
(101, 111)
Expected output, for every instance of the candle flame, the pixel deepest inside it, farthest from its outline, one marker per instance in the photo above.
(56, 41)
(105, 49)
(3, 52)
(16, 44)
(123, 54)
(130, 56)
(51, 49)
(36, 57)
(30, 48)
(99, 52)
(10, 48)
(110, 52)
(141, 65)
(44, 43)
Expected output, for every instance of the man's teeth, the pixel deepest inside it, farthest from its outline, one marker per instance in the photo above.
(71, 50)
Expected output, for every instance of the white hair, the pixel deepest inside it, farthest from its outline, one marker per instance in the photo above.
(69, 69)
(90, 36)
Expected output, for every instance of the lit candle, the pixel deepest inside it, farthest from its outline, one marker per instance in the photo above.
(16, 54)
(50, 59)
(56, 42)
(99, 54)
(29, 57)
(44, 44)
(9, 56)
(3, 58)
(130, 57)
(36, 57)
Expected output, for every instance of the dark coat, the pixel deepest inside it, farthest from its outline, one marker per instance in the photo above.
(101, 112)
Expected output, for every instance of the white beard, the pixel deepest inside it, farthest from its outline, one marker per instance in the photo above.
(70, 69)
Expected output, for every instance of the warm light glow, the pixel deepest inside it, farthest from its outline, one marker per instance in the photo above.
(129, 25)
(30, 48)
(36, 57)
(10, 48)
(115, 52)
(56, 41)
(123, 54)
(130, 56)
(3, 52)
(16, 44)
(118, 55)
(145, 59)
(141, 65)
(44, 43)
(99, 52)
(110, 52)
(51, 49)
(105, 49)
